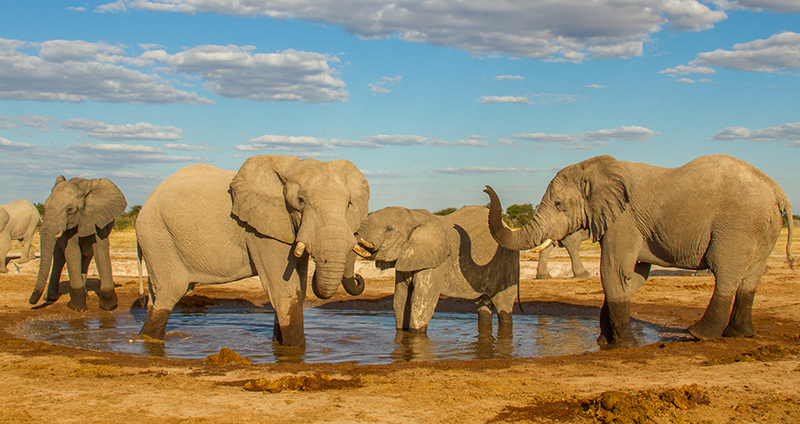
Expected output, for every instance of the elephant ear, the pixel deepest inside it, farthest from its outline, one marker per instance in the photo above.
(359, 192)
(103, 203)
(3, 219)
(427, 246)
(605, 189)
(258, 199)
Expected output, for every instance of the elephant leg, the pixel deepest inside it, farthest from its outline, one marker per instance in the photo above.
(278, 268)
(718, 313)
(741, 322)
(484, 305)
(424, 297)
(5, 246)
(27, 248)
(77, 282)
(169, 282)
(102, 261)
(401, 303)
(573, 245)
(504, 304)
(621, 275)
(54, 285)
(542, 268)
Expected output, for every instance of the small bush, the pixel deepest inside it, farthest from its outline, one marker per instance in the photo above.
(127, 219)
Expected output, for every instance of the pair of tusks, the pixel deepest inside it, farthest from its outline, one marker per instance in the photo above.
(542, 246)
(361, 251)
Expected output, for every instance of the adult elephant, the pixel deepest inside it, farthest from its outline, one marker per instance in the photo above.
(78, 218)
(452, 255)
(572, 243)
(18, 221)
(715, 212)
(209, 226)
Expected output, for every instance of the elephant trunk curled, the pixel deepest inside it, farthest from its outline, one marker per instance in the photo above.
(330, 259)
(525, 238)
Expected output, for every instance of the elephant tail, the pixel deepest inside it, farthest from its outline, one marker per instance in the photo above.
(786, 209)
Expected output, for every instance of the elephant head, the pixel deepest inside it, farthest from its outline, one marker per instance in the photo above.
(76, 206)
(317, 206)
(586, 195)
(413, 239)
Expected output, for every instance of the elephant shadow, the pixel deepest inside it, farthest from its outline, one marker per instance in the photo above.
(485, 278)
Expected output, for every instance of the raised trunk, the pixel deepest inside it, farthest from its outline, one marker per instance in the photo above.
(525, 238)
(47, 247)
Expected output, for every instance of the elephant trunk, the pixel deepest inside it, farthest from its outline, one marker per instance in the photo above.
(47, 247)
(528, 237)
(353, 283)
(330, 260)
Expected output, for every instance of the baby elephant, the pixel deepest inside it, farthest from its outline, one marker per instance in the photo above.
(453, 255)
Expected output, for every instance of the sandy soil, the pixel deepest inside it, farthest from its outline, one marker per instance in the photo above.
(753, 379)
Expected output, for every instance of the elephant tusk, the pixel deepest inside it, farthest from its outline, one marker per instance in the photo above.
(361, 252)
(542, 246)
(367, 244)
(299, 248)
(60, 233)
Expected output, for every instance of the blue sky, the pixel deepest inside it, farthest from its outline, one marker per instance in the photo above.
(431, 100)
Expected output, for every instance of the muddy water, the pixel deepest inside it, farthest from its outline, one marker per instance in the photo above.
(358, 336)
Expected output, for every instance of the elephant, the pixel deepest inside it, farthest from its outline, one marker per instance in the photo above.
(572, 243)
(18, 221)
(715, 212)
(205, 225)
(79, 216)
(452, 255)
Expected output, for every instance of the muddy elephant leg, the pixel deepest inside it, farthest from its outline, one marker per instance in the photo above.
(54, 284)
(484, 305)
(542, 268)
(102, 260)
(77, 282)
(278, 270)
(620, 278)
(5, 246)
(573, 245)
(718, 313)
(401, 303)
(169, 282)
(504, 304)
(424, 297)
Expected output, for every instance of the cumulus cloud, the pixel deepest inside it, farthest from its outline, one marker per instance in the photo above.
(778, 53)
(238, 72)
(40, 123)
(787, 132)
(398, 140)
(7, 145)
(78, 71)
(482, 170)
(590, 138)
(300, 144)
(520, 100)
(779, 6)
(139, 131)
(566, 30)
(379, 87)
(509, 77)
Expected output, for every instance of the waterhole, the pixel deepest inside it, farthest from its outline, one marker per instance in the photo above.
(357, 336)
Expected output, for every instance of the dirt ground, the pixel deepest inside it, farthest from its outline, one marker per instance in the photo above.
(753, 379)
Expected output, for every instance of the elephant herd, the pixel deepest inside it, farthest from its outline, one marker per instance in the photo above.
(204, 225)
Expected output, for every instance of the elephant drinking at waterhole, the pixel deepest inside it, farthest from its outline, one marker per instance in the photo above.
(715, 212)
(208, 226)
(452, 255)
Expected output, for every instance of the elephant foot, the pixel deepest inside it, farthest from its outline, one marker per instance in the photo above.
(617, 342)
(584, 274)
(108, 300)
(739, 330)
(77, 301)
(22, 261)
(702, 331)
(155, 324)
(543, 276)
(35, 296)
(484, 321)
(421, 330)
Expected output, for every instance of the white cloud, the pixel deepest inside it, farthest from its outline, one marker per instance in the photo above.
(788, 132)
(590, 138)
(398, 140)
(8, 145)
(691, 81)
(139, 131)
(520, 100)
(779, 6)
(595, 86)
(301, 144)
(379, 87)
(632, 133)
(778, 53)
(509, 77)
(565, 30)
(188, 148)
(237, 72)
(77, 71)
(482, 170)
(40, 123)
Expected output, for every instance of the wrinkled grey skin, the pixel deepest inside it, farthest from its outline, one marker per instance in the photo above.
(79, 215)
(18, 221)
(451, 255)
(572, 243)
(203, 225)
(716, 212)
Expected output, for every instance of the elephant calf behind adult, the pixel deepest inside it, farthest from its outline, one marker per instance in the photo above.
(18, 221)
(451, 255)
(209, 226)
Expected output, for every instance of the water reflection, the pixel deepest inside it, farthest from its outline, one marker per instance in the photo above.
(358, 336)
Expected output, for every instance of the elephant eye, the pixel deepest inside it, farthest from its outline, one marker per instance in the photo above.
(389, 228)
(72, 209)
(560, 205)
(301, 201)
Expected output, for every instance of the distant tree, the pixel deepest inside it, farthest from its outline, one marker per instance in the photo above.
(40, 208)
(445, 211)
(517, 216)
(127, 219)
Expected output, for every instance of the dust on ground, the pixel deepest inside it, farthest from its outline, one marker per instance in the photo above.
(751, 379)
